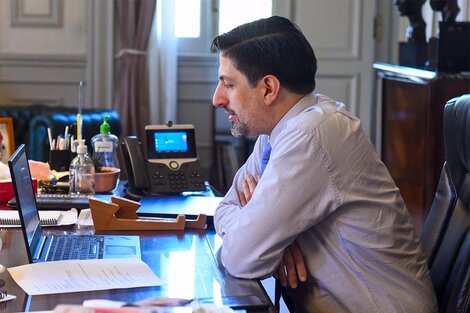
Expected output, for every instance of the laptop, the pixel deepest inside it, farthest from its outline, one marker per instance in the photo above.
(51, 247)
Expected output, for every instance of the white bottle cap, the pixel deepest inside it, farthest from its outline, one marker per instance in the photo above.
(82, 148)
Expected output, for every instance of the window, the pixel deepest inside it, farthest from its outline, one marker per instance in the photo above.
(187, 18)
(198, 21)
(234, 13)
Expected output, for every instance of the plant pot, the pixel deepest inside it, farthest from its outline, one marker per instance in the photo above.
(107, 179)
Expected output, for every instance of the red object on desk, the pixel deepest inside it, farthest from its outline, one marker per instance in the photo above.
(7, 192)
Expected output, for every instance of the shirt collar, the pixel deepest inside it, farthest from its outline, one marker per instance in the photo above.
(307, 101)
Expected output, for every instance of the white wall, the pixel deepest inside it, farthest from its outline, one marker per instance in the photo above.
(42, 51)
(36, 36)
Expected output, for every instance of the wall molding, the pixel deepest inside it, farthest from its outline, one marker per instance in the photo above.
(35, 78)
(42, 60)
(311, 16)
(349, 83)
(51, 101)
(21, 18)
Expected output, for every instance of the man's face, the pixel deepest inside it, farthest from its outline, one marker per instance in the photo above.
(240, 101)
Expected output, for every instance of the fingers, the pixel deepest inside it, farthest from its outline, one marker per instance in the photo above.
(298, 261)
(290, 268)
(280, 274)
(251, 182)
(241, 198)
(249, 185)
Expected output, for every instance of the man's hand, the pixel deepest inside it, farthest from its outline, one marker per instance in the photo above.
(249, 185)
(292, 268)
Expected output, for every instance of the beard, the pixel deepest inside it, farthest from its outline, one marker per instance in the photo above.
(239, 129)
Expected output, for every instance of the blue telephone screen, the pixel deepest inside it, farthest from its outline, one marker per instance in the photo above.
(171, 142)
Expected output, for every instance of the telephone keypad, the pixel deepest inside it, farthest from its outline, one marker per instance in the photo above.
(186, 178)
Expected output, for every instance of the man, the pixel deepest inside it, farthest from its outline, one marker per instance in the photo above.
(313, 190)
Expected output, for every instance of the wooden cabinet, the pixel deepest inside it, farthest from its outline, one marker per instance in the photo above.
(411, 126)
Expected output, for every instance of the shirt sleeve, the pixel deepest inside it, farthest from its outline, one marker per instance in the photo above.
(294, 193)
(230, 206)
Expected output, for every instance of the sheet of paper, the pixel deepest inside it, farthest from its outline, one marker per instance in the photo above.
(67, 217)
(64, 308)
(85, 218)
(83, 275)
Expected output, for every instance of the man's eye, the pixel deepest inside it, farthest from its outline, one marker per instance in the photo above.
(228, 86)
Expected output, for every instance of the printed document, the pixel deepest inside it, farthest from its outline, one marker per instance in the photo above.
(83, 275)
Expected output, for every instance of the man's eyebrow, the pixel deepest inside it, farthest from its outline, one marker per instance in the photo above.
(225, 79)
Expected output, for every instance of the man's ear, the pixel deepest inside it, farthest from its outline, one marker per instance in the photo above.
(271, 88)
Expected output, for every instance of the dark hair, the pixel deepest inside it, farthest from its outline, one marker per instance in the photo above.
(273, 46)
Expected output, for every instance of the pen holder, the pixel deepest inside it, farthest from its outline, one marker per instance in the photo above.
(59, 160)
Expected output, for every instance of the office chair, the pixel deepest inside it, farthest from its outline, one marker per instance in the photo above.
(446, 232)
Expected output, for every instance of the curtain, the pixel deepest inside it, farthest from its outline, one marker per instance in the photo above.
(134, 19)
(163, 64)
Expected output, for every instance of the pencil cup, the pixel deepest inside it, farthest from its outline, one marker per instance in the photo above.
(59, 160)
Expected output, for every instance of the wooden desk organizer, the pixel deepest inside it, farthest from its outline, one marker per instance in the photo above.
(120, 214)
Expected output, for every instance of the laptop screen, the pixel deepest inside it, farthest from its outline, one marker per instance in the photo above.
(25, 198)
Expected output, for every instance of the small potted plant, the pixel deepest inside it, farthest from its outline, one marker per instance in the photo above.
(106, 178)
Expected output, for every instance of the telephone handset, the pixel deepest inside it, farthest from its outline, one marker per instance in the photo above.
(171, 164)
(134, 163)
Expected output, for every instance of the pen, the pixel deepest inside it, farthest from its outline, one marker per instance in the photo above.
(72, 146)
(49, 134)
(63, 143)
(80, 106)
(58, 143)
(66, 137)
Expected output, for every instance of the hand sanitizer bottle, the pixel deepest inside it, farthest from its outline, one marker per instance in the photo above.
(105, 145)
(82, 172)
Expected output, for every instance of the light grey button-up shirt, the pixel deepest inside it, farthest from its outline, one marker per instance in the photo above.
(326, 188)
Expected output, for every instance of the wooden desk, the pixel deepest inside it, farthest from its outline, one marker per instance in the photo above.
(185, 260)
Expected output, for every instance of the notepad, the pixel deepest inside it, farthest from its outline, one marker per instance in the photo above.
(12, 218)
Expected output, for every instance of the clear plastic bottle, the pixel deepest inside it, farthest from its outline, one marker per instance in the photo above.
(82, 172)
(105, 145)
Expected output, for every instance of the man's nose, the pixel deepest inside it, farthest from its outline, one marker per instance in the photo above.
(219, 100)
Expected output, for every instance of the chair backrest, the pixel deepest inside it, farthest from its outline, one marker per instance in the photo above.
(446, 232)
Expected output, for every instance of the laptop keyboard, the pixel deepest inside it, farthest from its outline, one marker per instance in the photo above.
(66, 247)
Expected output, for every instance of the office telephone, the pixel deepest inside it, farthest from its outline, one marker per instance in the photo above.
(170, 165)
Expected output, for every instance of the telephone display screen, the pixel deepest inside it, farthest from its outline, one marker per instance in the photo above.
(170, 143)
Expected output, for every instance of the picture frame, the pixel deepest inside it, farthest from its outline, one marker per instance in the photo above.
(7, 140)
